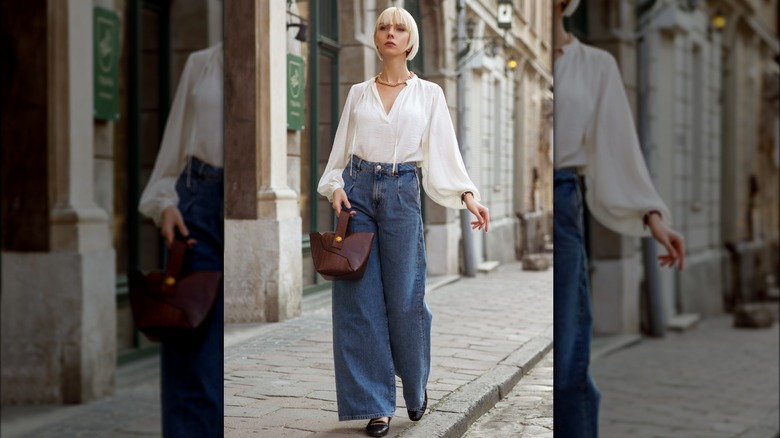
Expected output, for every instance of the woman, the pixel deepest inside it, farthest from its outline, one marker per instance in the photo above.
(185, 195)
(391, 124)
(594, 137)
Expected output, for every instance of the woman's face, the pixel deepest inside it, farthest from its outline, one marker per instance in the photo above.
(392, 39)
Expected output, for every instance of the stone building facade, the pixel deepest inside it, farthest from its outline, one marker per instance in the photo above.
(71, 181)
(71, 231)
(508, 130)
(703, 105)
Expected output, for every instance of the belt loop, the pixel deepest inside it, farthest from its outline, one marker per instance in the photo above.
(189, 170)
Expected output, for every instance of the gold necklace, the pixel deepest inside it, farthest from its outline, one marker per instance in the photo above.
(393, 84)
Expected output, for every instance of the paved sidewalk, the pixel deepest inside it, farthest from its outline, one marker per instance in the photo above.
(279, 376)
(486, 330)
(527, 412)
(134, 411)
(712, 381)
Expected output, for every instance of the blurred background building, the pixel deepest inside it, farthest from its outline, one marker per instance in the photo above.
(87, 87)
(85, 92)
(702, 77)
(278, 141)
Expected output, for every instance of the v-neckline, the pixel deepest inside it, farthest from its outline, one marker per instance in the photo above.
(566, 47)
(386, 114)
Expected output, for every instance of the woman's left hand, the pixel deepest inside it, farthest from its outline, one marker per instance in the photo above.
(479, 211)
(670, 239)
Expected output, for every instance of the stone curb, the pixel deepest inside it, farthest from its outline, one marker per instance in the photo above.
(451, 417)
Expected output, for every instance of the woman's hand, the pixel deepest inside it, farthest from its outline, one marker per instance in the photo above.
(479, 211)
(172, 221)
(339, 199)
(670, 239)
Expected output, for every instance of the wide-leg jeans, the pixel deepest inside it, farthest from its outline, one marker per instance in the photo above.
(191, 363)
(381, 323)
(576, 397)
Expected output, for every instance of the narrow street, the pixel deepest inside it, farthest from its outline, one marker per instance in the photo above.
(526, 412)
(713, 381)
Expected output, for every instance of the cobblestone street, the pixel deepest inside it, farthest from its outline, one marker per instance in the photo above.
(713, 381)
(280, 383)
(487, 332)
(526, 412)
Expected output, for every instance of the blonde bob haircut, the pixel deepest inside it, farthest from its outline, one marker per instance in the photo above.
(396, 15)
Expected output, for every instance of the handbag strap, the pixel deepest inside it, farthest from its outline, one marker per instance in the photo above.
(175, 262)
(341, 229)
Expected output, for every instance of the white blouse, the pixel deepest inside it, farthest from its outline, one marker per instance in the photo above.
(417, 129)
(594, 132)
(194, 128)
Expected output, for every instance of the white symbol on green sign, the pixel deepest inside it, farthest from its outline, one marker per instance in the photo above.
(295, 92)
(295, 83)
(105, 63)
(105, 44)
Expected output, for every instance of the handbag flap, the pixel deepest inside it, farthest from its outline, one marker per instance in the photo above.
(355, 247)
(185, 307)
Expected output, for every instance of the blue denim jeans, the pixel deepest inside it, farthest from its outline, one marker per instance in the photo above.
(191, 376)
(381, 323)
(576, 397)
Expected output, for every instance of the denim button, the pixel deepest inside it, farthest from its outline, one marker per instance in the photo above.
(378, 167)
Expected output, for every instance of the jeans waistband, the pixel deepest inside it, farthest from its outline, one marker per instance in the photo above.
(204, 171)
(378, 167)
(566, 174)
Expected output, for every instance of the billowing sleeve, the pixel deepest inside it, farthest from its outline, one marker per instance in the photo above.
(619, 189)
(444, 175)
(160, 191)
(339, 153)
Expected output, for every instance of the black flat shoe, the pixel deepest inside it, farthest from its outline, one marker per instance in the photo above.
(416, 415)
(378, 427)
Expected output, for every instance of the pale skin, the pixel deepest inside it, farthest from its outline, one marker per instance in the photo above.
(170, 223)
(392, 39)
(672, 241)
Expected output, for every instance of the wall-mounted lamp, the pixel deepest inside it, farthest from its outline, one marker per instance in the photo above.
(511, 63)
(718, 20)
(301, 36)
(504, 14)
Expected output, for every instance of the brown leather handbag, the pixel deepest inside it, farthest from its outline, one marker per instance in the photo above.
(339, 255)
(165, 302)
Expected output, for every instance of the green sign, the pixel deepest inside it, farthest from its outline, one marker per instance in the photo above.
(295, 92)
(105, 54)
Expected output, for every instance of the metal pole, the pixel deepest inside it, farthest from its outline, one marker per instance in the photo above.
(654, 311)
(469, 264)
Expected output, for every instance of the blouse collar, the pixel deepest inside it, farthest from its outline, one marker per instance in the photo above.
(569, 47)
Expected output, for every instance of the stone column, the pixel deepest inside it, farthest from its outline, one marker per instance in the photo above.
(442, 227)
(262, 221)
(58, 301)
(615, 263)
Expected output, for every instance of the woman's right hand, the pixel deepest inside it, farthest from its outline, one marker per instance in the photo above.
(339, 199)
(172, 221)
